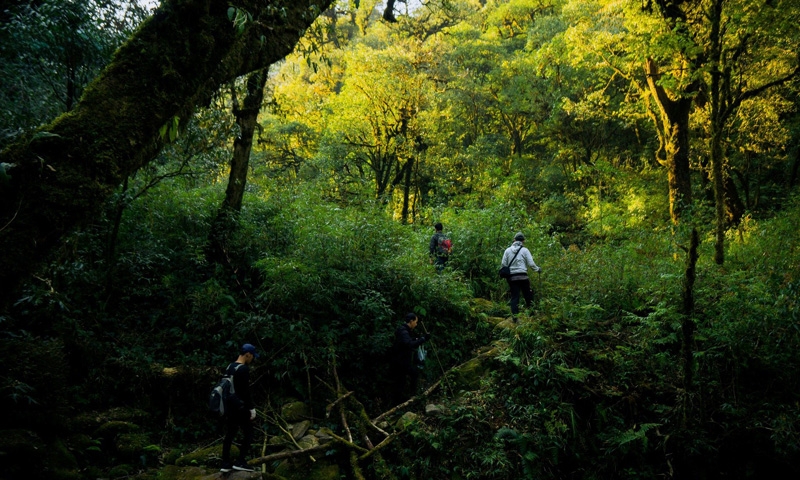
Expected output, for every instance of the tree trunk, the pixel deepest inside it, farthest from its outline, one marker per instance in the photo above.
(176, 60)
(717, 126)
(734, 207)
(687, 322)
(674, 130)
(409, 169)
(795, 168)
(247, 120)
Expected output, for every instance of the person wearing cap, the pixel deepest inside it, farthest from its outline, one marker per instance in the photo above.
(519, 259)
(240, 411)
(402, 370)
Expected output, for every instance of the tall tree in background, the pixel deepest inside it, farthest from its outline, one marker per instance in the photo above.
(375, 118)
(752, 47)
(174, 62)
(247, 119)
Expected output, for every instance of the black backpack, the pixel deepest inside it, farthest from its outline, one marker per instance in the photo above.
(220, 400)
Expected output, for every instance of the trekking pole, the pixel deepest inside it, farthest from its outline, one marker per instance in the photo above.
(540, 286)
(436, 354)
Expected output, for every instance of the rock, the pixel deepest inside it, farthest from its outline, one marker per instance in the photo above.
(303, 469)
(496, 321)
(407, 419)
(323, 437)
(295, 412)
(468, 377)
(132, 444)
(111, 430)
(206, 456)
(308, 441)
(436, 410)
(299, 429)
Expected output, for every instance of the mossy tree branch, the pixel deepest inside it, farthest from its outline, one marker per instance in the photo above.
(179, 57)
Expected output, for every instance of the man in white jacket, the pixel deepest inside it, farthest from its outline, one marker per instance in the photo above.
(519, 258)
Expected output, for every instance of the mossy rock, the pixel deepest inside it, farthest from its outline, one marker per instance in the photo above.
(299, 429)
(303, 469)
(174, 472)
(89, 422)
(295, 412)
(123, 470)
(206, 456)
(481, 305)
(495, 321)
(278, 440)
(407, 419)
(20, 446)
(62, 462)
(114, 428)
(469, 376)
(308, 441)
(132, 444)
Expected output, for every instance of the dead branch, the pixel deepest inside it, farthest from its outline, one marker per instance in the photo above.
(287, 454)
(406, 403)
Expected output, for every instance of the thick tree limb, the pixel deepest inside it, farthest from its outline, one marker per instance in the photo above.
(175, 61)
(288, 454)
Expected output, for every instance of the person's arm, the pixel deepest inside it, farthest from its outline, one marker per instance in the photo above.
(529, 260)
(405, 339)
(433, 245)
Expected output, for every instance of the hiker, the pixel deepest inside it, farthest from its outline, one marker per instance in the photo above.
(439, 249)
(519, 258)
(402, 371)
(240, 411)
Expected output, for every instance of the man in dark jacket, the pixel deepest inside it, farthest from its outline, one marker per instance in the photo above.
(240, 411)
(401, 368)
(437, 253)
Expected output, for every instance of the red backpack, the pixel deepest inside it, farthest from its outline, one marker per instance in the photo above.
(445, 246)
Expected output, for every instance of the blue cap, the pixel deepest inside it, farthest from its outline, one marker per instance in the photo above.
(247, 348)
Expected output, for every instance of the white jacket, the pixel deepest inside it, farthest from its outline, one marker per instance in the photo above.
(522, 262)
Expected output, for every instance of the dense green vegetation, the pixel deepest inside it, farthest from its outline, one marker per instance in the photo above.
(608, 132)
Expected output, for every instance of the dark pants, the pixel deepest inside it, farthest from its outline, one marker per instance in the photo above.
(233, 422)
(516, 287)
(439, 263)
(405, 378)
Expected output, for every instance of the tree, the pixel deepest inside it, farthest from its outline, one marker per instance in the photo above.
(61, 175)
(751, 49)
(50, 50)
(247, 120)
(375, 118)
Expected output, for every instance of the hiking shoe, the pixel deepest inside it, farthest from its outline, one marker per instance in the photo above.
(226, 467)
(243, 467)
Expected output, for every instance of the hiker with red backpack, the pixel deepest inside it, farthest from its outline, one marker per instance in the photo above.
(440, 248)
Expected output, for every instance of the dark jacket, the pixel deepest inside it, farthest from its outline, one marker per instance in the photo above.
(241, 384)
(404, 344)
(433, 248)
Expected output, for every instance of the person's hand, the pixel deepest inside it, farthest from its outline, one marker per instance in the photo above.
(538, 269)
(252, 414)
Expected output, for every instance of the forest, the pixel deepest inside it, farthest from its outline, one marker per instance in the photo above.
(180, 178)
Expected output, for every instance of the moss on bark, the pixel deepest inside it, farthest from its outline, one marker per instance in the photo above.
(175, 61)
